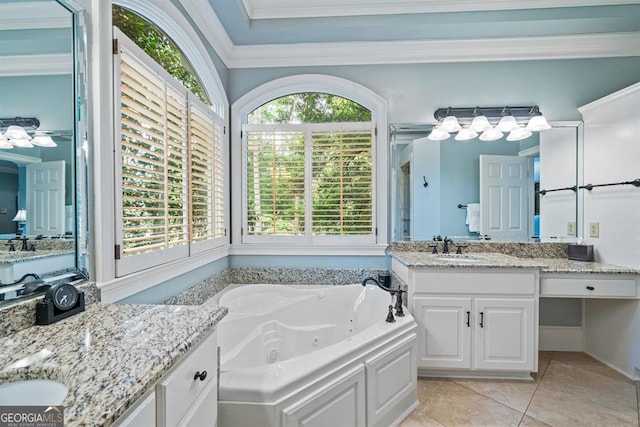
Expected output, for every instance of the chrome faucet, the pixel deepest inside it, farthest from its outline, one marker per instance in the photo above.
(445, 245)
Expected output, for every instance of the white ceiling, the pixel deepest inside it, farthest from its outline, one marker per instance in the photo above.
(275, 9)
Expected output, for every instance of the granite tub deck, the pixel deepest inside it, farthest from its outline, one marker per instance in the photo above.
(108, 356)
(498, 260)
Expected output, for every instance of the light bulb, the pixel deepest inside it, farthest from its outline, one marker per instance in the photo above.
(450, 124)
(480, 124)
(466, 134)
(43, 140)
(538, 123)
(491, 134)
(518, 134)
(21, 142)
(16, 132)
(438, 134)
(507, 124)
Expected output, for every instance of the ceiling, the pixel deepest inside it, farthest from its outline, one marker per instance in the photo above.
(276, 33)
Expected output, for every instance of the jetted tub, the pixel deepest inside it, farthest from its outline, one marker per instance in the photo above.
(314, 355)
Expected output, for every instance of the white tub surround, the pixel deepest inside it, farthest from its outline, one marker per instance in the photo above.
(292, 354)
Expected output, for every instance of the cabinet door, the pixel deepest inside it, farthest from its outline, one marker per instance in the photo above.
(443, 332)
(504, 334)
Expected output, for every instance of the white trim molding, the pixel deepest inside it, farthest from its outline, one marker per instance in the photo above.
(310, 83)
(34, 15)
(275, 9)
(437, 51)
(36, 65)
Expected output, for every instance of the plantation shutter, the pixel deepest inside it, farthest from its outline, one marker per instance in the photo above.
(275, 171)
(206, 135)
(342, 162)
(311, 182)
(169, 166)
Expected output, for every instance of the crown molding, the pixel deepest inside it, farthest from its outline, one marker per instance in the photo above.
(437, 51)
(261, 9)
(36, 65)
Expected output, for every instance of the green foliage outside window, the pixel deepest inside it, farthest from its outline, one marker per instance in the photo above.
(160, 47)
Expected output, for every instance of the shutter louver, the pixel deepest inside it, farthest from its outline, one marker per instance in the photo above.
(275, 183)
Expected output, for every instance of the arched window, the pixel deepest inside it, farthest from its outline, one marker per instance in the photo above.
(170, 171)
(309, 167)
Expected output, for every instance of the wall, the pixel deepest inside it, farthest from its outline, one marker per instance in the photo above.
(612, 154)
(8, 201)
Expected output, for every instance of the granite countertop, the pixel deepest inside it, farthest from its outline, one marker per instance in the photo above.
(498, 260)
(108, 356)
(23, 256)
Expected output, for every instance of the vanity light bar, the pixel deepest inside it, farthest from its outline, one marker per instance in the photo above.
(495, 113)
(24, 122)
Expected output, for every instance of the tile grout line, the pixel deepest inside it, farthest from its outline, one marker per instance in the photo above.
(524, 414)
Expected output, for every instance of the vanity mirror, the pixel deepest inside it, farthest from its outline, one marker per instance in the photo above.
(436, 186)
(43, 174)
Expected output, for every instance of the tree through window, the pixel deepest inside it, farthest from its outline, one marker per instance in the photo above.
(309, 169)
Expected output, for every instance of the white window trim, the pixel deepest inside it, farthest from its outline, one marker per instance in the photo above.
(311, 83)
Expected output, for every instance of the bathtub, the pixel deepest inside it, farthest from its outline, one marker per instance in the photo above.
(314, 355)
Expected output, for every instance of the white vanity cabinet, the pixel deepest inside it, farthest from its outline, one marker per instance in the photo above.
(187, 395)
(474, 321)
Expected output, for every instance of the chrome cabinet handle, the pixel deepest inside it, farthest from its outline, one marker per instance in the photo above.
(200, 376)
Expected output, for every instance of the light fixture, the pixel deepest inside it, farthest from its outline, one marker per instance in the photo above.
(16, 133)
(5, 144)
(41, 139)
(481, 119)
(492, 134)
(537, 122)
(519, 134)
(438, 134)
(21, 219)
(466, 134)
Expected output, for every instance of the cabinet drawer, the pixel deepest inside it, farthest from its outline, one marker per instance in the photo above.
(595, 288)
(512, 283)
(178, 390)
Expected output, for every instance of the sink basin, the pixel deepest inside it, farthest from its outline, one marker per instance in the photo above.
(32, 392)
(460, 258)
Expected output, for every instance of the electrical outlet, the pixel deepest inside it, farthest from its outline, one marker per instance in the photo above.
(594, 229)
(571, 228)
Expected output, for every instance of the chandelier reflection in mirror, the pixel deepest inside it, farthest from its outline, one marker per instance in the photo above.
(491, 123)
(22, 132)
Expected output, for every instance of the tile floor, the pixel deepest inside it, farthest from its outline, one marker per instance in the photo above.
(570, 389)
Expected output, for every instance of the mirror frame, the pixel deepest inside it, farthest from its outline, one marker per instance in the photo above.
(423, 128)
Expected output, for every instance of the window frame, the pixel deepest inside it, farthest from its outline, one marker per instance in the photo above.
(310, 83)
(127, 265)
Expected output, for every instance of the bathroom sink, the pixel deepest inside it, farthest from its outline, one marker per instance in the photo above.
(32, 392)
(463, 259)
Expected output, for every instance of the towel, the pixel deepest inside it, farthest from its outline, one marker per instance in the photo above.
(473, 217)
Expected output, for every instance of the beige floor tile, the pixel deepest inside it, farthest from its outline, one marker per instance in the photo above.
(514, 394)
(552, 404)
(454, 405)
(426, 387)
(584, 361)
(418, 419)
(544, 357)
(528, 421)
(592, 387)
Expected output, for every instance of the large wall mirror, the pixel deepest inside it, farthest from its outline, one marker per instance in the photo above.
(43, 141)
(475, 190)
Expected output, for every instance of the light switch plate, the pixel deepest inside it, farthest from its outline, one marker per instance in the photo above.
(594, 229)
(571, 228)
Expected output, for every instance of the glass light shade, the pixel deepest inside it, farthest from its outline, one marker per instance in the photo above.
(5, 144)
(43, 140)
(16, 132)
(21, 216)
(450, 124)
(519, 134)
(491, 134)
(507, 124)
(466, 134)
(538, 123)
(438, 134)
(22, 143)
(480, 124)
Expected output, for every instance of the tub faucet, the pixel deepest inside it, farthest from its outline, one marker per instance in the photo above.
(369, 279)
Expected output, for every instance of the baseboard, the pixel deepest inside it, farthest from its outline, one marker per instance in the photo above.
(561, 338)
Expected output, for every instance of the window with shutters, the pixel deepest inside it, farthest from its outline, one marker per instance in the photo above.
(312, 182)
(169, 165)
